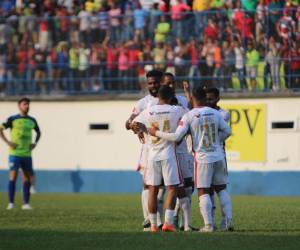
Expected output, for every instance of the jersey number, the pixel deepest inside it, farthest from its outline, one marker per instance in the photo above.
(166, 128)
(209, 131)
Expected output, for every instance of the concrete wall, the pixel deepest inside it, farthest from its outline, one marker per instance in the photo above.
(69, 152)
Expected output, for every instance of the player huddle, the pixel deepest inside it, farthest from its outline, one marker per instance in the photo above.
(181, 149)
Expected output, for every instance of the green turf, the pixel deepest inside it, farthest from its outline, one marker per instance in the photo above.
(70, 221)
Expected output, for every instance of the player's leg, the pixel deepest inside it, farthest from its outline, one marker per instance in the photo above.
(185, 206)
(153, 179)
(170, 206)
(177, 222)
(32, 183)
(204, 173)
(186, 166)
(144, 196)
(144, 200)
(219, 183)
(213, 202)
(170, 173)
(152, 207)
(26, 165)
(160, 205)
(14, 165)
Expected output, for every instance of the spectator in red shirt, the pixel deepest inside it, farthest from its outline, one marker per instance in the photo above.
(295, 65)
(242, 22)
(212, 30)
(63, 30)
(133, 59)
(177, 16)
(22, 65)
(286, 27)
(286, 56)
(194, 72)
(111, 66)
(123, 67)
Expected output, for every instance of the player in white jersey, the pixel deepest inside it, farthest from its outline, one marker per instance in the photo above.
(184, 157)
(162, 164)
(212, 99)
(153, 84)
(205, 125)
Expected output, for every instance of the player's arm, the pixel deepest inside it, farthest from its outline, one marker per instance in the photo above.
(139, 125)
(128, 124)
(177, 136)
(135, 112)
(5, 125)
(224, 129)
(38, 135)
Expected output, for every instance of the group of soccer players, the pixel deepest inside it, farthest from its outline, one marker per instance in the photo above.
(182, 142)
(181, 149)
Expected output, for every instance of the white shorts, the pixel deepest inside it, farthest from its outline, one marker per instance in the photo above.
(207, 174)
(165, 171)
(186, 165)
(142, 162)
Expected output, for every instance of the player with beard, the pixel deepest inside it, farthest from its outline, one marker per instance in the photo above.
(153, 84)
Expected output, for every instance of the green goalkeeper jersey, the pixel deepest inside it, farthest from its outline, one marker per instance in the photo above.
(21, 134)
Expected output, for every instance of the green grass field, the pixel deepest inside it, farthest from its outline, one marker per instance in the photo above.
(97, 221)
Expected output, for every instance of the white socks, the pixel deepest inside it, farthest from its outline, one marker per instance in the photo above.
(145, 203)
(160, 205)
(160, 211)
(185, 206)
(153, 219)
(177, 208)
(225, 203)
(169, 214)
(206, 208)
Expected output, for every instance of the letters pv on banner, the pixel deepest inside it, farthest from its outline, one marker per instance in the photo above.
(248, 125)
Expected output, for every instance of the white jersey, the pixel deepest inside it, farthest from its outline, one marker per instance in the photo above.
(165, 118)
(205, 124)
(144, 103)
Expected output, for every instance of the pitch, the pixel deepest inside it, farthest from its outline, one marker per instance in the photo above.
(108, 221)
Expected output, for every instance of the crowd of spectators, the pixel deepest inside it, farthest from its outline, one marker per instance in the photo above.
(91, 46)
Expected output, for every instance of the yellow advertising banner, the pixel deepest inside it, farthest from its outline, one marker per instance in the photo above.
(248, 127)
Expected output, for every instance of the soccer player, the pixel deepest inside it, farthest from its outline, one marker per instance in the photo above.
(153, 82)
(169, 80)
(184, 158)
(21, 146)
(206, 126)
(212, 99)
(162, 164)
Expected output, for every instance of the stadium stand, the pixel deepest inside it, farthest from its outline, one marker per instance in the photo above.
(98, 46)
